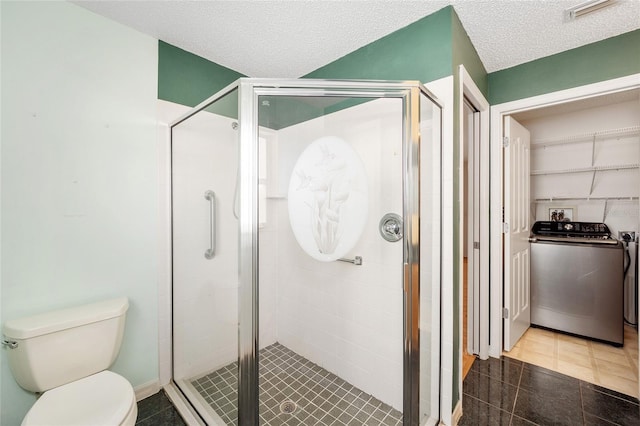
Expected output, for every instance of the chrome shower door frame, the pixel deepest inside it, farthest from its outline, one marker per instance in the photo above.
(249, 92)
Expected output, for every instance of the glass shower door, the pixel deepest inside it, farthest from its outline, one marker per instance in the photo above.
(430, 255)
(205, 259)
(330, 285)
(346, 295)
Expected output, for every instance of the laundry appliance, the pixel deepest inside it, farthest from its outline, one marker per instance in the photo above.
(577, 282)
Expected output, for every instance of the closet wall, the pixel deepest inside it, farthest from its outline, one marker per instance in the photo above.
(585, 160)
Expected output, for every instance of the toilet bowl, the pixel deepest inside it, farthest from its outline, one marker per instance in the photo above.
(65, 355)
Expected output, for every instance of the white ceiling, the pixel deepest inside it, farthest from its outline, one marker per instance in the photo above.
(287, 39)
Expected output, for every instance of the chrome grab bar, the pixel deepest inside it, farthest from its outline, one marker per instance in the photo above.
(211, 251)
(356, 261)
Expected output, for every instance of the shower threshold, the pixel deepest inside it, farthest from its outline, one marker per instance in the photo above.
(295, 391)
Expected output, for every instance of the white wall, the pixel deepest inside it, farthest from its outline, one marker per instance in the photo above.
(608, 151)
(443, 89)
(79, 175)
(1, 125)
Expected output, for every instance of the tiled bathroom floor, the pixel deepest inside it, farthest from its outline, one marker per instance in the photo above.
(594, 362)
(495, 392)
(321, 398)
(157, 410)
(509, 392)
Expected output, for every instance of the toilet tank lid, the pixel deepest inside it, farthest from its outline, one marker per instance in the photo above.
(50, 322)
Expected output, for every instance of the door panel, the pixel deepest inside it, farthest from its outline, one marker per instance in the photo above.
(204, 160)
(517, 246)
(472, 134)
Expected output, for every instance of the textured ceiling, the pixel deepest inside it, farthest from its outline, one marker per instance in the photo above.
(292, 38)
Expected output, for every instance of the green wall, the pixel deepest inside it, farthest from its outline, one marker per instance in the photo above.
(604, 60)
(421, 51)
(465, 53)
(188, 79)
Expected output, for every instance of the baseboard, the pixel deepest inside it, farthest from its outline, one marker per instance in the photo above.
(457, 413)
(147, 389)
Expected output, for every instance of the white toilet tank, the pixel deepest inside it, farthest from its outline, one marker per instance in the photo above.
(59, 347)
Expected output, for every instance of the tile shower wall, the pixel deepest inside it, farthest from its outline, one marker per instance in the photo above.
(345, 318)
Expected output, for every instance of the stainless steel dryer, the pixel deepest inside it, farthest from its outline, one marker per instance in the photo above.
(577, 280)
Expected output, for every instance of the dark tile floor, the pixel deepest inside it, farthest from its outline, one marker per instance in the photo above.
(496, 392)
(510, 392)
(157, 410)
(287, 380)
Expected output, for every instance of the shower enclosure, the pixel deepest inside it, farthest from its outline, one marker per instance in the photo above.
(306, 253)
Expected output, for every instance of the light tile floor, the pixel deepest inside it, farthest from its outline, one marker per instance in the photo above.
(594, 362)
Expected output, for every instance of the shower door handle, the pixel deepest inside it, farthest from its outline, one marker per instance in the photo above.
(211, 251)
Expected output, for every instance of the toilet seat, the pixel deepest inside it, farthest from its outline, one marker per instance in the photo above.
(102, 399)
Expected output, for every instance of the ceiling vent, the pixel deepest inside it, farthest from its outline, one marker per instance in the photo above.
(584, 8)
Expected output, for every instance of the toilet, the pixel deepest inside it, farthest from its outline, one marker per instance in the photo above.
(64, 355)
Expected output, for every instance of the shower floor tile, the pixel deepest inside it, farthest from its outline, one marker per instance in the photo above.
(307, 393)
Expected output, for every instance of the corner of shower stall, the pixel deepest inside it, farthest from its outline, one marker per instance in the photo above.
(306, 254)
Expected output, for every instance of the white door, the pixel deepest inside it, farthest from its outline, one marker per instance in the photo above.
(517, 223)
(472, 159)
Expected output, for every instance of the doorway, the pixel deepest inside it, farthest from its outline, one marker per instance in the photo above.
(473, 246)
(471, 235)
(594, 193)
